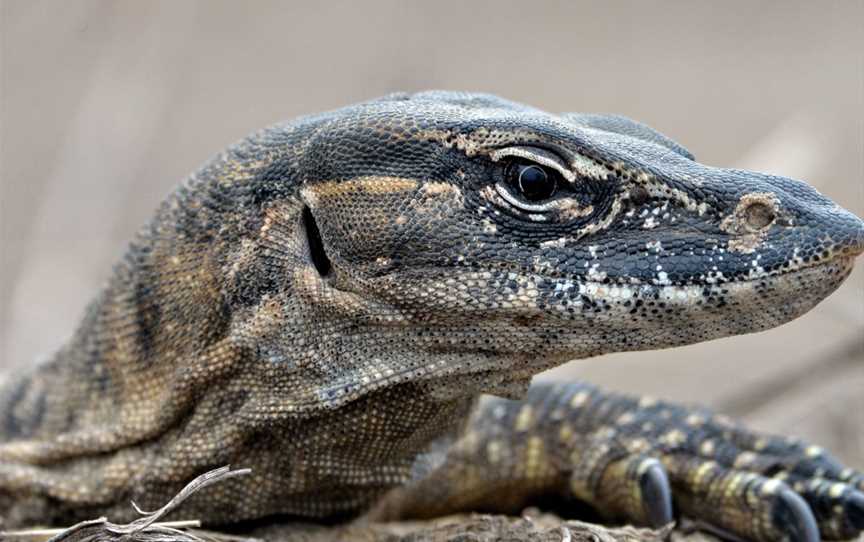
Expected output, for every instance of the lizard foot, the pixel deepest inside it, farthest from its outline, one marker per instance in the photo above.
(639, 461)
(737, 481)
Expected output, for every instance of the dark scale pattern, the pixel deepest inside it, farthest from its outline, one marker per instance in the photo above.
(326, 301)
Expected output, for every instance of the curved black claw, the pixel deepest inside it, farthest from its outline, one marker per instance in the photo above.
(854, 509)
(656, 496)
(793, 516)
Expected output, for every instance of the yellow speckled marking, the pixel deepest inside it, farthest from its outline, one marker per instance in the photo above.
(579, 399)
(534, 457)
(524, 418)
(435, 188)
(565, 432)
(674, 438)
(734, 482)
(703, 470)
(626, 418)
(837, 490)
(493, 451)
(695, 420)
(368, 185)
(638, 445)
(648, 401)
(813, 451)
(744, 459)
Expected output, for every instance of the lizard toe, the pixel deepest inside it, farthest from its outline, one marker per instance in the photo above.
(792, 516)
(837, 506)
(855, 510)
(656, 495)
(744, 504)
(633, 488)
(831, 490)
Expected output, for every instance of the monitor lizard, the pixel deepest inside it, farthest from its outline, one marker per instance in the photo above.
(327, 301)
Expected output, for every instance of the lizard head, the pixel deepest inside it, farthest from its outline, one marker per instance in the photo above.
(486, 226)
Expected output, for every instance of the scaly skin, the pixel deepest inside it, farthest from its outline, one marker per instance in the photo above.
(326, 301)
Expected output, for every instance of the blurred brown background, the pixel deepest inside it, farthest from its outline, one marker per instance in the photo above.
(106, 105)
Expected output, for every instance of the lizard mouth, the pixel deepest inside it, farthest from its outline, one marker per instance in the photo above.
(572, 306)
(842, 263)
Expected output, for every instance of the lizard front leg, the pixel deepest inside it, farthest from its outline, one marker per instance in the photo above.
(630, 459)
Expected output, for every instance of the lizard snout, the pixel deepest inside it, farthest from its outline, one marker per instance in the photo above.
(842, 232)
(856, 247)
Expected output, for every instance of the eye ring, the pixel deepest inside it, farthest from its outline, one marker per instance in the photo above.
(533, 182)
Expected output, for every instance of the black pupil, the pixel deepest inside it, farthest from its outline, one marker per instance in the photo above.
(534, 183)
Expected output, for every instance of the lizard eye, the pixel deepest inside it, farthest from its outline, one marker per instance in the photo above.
(533, 182)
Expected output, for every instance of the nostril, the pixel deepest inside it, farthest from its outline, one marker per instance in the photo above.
(749, 223)
(758, 216)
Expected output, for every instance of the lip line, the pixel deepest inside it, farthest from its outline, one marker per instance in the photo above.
(842, 258)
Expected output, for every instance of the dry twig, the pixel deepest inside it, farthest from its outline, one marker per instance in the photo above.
(144, 529)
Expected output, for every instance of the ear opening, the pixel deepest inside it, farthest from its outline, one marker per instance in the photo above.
(316, 244)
